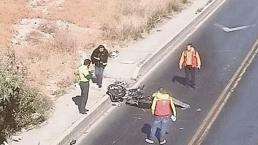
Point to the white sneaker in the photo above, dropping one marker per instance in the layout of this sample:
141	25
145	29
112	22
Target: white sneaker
163	142
149	141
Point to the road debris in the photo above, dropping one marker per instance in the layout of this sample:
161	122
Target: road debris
73	142
181	104
183	108
16	138
139	118
113	54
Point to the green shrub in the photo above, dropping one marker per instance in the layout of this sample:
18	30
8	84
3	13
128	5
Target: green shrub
20	105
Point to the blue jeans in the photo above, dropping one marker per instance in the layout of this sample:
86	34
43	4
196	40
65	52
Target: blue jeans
99	75
161	122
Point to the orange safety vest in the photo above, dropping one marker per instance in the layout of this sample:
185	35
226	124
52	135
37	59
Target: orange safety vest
194	59
163	108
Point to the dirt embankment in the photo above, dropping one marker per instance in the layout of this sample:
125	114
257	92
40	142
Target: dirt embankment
11	12
51	37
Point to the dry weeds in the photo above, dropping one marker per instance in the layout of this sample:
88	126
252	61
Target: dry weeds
52	54
11	11
118	19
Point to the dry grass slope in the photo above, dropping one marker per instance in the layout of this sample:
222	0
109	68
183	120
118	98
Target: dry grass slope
11	11
51	62
118	19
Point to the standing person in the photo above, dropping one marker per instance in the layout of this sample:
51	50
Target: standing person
190	60
99	58
163	109
85	77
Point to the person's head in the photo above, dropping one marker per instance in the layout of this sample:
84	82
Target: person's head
163	91
101	48
87	62
189	46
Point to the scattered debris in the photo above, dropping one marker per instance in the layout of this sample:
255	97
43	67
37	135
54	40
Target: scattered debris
139	118
184	108
16	138
119	105
181	104
35	116
23	130
199	110
114	54
199	10
209	2
73	142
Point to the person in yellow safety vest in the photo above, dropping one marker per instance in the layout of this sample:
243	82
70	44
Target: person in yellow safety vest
190	60
163	109
84	76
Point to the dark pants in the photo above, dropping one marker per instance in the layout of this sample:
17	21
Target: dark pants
161	122
99	75
84	96
189	75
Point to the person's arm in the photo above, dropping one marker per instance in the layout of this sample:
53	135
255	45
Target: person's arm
87	74
198	60
105	59
181	61
153	106
94	57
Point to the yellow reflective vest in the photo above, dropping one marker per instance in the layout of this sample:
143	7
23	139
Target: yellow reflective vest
83	73
159	99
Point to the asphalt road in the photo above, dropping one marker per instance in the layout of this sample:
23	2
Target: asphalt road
221	53
237	123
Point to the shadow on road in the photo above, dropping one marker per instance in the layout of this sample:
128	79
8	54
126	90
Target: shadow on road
179	79
146	129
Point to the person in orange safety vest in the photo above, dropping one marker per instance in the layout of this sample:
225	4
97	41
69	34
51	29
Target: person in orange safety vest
190	60
163	109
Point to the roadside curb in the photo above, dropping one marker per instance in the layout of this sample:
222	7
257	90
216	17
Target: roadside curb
81	125
223	98
104	104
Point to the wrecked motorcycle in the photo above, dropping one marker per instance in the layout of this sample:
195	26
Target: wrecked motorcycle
118	93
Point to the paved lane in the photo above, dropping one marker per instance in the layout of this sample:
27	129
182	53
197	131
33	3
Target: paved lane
221	52
237	123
